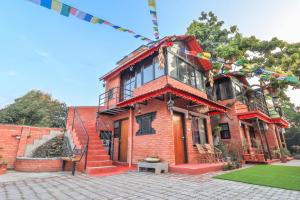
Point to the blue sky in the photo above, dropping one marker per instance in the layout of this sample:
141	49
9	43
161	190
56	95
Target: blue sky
64	56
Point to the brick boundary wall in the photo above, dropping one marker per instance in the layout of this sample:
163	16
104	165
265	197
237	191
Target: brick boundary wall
38	164
14	139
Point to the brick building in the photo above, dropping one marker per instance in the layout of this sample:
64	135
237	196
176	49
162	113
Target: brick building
156	103
251	125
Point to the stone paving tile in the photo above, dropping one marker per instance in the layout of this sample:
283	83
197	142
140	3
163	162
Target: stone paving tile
134	185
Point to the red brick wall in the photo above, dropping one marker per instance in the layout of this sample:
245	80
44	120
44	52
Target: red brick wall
14	139
38	165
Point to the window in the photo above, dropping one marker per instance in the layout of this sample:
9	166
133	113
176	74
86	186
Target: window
224	89
183	70
158	70
145	123
138	76
172	65
199	80
225	132
148	71
110	94
199	131
117	130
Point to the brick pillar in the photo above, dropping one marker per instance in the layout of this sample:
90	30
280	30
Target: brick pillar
130	136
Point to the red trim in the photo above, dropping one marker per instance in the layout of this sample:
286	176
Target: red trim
177	92
191	42
281	122
214	112
255	114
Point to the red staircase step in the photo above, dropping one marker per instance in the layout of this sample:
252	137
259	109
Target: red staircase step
100	170
97	157
97	152
99	163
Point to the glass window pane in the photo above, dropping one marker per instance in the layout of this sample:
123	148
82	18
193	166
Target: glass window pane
138	77
148	71
191	76
202	131
182	71
172	69
159	71
199	80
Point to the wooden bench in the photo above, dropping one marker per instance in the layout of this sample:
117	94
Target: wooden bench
158	167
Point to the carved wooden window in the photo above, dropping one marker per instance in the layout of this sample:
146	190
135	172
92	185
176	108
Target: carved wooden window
145	123
225	132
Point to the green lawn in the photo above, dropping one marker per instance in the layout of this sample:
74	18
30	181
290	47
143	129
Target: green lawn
285	177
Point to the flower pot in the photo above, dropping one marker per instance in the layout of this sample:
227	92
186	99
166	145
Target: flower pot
283	159
3	168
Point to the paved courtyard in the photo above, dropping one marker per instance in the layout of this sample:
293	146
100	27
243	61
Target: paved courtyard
132	185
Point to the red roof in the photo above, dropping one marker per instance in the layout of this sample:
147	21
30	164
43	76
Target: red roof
191	42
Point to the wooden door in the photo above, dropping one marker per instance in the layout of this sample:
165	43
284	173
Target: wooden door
179	139
123	141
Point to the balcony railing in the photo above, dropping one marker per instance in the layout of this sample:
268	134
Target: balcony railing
257	102
112	97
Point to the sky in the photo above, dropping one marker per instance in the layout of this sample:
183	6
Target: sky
64	56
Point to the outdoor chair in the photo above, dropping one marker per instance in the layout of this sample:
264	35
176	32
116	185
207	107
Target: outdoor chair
74	158
214	151
205	156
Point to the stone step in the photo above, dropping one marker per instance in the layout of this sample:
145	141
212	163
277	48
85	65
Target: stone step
100	170
99	163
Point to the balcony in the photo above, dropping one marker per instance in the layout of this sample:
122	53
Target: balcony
256	102
108	100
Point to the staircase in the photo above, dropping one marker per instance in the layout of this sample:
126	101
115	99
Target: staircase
98	160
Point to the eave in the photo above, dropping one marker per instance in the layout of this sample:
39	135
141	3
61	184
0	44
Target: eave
175	91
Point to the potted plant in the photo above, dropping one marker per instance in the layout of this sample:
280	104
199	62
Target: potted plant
3	166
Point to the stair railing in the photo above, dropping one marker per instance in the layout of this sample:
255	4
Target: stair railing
82	135
102	126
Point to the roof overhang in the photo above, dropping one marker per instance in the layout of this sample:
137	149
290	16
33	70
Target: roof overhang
281	122
255	114
191	42
175	91
259	115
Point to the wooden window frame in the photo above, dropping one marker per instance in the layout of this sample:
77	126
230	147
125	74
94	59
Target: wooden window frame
229	133
139	120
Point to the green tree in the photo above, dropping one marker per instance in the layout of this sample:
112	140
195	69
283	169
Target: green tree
35	109
228	43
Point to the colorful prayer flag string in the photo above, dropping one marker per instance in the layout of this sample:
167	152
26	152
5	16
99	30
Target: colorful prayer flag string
152	6
66	10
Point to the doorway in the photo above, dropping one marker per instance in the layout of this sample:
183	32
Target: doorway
123	141
179	138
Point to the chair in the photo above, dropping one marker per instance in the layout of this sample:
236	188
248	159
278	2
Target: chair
205	155
74	158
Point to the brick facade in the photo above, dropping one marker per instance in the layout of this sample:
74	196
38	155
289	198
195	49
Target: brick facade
14	139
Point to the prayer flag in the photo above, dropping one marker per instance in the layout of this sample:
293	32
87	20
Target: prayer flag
95	20
46	3
56	5
65	10
73	11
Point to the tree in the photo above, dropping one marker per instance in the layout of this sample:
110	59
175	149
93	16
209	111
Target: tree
228	43
35	109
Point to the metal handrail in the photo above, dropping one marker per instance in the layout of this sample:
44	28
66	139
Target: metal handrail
115	97
80	129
